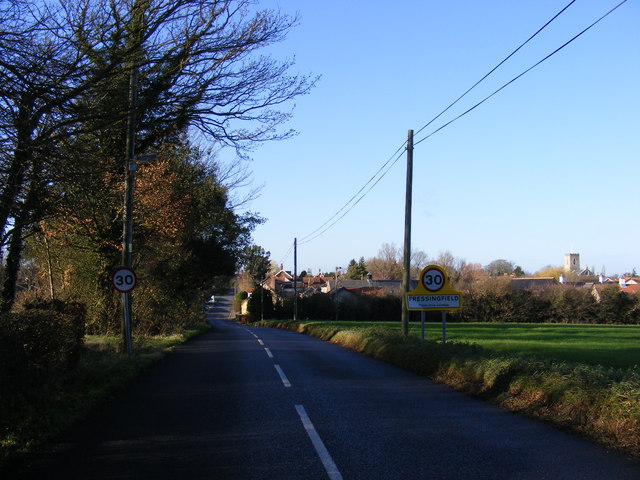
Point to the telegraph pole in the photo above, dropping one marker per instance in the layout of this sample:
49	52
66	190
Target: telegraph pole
406	278
127	216
295	279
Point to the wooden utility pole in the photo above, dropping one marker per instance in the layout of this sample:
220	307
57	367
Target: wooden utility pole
295	279
127	216
406	277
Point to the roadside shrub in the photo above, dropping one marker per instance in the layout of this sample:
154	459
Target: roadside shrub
261	299
239	297
385	308
316	306
570	304
40	345
617	307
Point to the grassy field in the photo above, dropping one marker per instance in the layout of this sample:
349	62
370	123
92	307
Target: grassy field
616	346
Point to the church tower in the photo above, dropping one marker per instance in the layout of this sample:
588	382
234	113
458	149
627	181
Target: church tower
571	262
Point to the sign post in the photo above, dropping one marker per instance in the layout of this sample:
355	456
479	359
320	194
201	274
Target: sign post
434	293
124	280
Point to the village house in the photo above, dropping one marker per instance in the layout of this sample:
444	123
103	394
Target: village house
630	286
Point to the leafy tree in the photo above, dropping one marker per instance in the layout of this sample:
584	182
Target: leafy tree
550	271
357	270
260	304
256	263
500	267
186	236
362	267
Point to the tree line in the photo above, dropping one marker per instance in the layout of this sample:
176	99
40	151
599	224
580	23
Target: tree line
488	295
66	104
493	300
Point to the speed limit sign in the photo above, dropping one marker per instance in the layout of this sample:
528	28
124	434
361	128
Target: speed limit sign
124	279
433	278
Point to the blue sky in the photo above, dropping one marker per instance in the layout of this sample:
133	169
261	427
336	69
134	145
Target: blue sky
547	166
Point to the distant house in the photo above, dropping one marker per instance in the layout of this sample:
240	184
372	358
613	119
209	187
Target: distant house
370	287
279	283
622	285
532	283
317	283
343	296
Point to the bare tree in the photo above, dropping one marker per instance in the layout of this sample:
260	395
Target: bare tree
64	74
387	265
419	260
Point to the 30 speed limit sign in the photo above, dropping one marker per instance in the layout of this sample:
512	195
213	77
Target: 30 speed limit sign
124	279
433	279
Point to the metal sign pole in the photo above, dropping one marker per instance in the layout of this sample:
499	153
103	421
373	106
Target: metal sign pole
423	313
444	326
127	321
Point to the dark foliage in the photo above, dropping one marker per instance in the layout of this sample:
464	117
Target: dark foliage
38	348
555	304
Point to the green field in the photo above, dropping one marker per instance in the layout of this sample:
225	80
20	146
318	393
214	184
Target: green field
615	346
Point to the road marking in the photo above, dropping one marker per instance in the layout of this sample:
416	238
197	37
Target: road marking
321	450
261	342
283	377
269	354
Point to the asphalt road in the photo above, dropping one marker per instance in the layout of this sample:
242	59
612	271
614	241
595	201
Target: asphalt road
243	402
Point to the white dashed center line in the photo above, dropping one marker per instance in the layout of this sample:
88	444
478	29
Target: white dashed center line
283	377
321	450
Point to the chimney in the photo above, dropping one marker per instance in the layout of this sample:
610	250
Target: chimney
623	282
601	278
561	279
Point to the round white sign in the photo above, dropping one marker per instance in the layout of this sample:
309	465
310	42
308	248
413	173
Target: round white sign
433	279
124	279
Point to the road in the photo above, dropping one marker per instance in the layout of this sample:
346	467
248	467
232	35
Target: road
243	402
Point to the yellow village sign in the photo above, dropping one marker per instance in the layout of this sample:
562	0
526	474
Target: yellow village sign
433	292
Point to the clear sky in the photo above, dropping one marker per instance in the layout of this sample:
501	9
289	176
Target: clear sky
548	165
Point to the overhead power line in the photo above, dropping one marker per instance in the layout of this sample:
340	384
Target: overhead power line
320	230
522	74
312	236
348	206
496	67
384	169
286	255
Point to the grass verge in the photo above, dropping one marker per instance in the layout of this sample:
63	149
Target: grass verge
600	403
102	371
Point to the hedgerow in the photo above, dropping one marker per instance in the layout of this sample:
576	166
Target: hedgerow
495	302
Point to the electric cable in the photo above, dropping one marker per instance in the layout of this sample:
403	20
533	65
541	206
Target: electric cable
286	255
312	236
521	75
496	67
395	157
306	239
